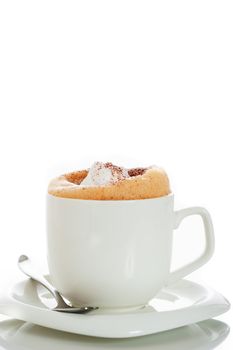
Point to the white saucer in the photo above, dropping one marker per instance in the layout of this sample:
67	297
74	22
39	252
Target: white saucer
178	305
17	335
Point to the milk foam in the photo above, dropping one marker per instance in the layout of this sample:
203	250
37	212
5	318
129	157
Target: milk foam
102	174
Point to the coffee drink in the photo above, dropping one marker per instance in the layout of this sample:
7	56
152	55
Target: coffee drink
109	236
105	181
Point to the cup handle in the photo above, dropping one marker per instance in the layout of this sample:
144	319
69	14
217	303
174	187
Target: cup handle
209	245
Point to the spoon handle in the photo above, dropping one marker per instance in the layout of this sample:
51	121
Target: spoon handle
26	266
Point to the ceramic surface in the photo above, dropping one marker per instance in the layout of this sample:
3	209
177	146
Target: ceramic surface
17	335
116	254
182	304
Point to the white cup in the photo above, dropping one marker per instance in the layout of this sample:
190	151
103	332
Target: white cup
116	254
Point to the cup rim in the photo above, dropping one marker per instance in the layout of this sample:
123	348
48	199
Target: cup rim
170	195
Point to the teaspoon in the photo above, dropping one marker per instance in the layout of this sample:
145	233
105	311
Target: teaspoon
26	266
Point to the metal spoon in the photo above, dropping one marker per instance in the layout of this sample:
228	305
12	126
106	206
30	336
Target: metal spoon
26	266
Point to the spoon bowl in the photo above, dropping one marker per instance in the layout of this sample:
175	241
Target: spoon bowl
26	266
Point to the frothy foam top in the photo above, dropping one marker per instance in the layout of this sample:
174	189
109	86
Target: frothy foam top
105	181
102	174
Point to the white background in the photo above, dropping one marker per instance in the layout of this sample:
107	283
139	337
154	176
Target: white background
132	82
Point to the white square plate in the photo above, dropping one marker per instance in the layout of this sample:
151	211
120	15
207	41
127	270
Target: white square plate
178	305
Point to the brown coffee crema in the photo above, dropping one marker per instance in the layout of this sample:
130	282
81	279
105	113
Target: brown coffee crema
141	183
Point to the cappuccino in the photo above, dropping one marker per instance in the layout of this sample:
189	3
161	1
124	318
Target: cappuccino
105	181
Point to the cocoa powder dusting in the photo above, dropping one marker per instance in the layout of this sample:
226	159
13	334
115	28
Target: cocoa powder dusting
113	167
136	171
